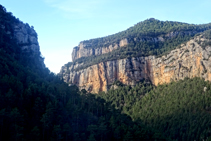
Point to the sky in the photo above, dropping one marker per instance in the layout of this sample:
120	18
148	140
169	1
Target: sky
62	24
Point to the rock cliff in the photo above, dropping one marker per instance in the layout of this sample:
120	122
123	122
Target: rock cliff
26	37
19	40
86	49
191	59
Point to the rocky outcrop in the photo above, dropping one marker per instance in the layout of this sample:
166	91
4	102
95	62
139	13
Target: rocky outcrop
85	49
26	37
19	39
190	60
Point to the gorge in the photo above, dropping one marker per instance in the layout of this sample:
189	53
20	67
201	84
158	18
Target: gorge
148	82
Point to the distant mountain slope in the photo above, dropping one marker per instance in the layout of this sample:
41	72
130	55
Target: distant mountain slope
150	37
186	55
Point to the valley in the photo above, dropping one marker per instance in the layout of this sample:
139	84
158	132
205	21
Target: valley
149	82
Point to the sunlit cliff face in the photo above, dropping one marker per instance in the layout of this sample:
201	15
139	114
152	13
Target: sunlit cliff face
190	60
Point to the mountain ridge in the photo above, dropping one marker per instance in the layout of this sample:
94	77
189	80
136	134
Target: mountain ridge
148	30
95	74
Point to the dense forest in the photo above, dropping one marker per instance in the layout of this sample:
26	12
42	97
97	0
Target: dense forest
180	110
36	105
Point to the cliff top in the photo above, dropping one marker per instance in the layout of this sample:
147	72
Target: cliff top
148	28
19	39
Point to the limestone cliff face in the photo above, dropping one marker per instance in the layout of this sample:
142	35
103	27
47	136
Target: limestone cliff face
26	37
190	60
85	49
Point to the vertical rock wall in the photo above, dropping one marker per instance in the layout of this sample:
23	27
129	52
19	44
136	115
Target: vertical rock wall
191	60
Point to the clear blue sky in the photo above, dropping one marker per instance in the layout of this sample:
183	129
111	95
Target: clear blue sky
62	24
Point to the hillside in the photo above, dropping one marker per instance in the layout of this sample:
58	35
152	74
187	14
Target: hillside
36	105
180	110
160	77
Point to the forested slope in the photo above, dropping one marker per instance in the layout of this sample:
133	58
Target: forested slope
180	110
36	105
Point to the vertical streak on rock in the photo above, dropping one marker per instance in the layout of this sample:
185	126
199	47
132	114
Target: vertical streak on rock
147	68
